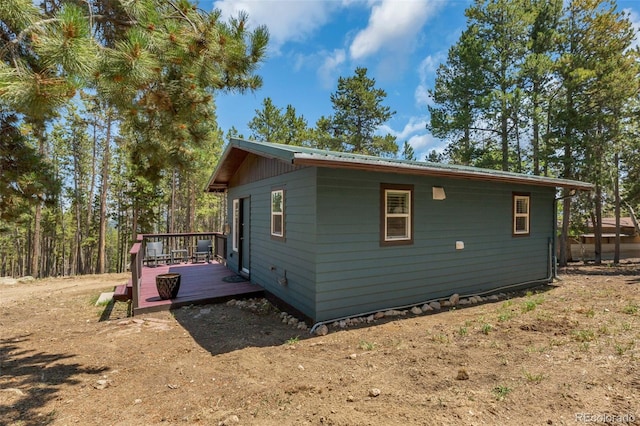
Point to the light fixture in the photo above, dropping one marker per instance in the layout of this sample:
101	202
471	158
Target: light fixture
438	193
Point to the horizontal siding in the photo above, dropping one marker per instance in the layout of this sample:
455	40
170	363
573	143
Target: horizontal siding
354	274
295	255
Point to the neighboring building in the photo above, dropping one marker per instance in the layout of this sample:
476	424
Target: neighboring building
583	248
337	234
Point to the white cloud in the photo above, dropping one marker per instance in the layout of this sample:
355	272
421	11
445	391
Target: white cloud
329	71
429	66
326	64
286	20
422	96
416	134
393	26
415	124
424	143
426	72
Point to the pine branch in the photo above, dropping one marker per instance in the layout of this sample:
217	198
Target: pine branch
177	9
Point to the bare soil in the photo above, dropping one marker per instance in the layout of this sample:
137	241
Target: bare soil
563	354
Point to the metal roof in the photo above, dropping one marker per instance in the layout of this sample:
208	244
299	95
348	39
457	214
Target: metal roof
238	149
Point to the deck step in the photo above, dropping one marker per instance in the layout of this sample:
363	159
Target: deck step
123	293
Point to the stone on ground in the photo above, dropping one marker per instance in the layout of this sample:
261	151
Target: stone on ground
104	298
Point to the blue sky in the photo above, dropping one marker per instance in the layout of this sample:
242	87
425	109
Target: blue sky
313	42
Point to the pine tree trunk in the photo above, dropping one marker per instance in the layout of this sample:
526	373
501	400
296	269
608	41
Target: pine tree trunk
535	141
102	235
504	128
172	210
134	221
76	259
192	208
616	189
36	244
89	218
518	153
467	147
564	234
567	173
63	268
597	228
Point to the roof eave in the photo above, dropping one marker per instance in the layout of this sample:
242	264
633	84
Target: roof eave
212	186
425	170
242	147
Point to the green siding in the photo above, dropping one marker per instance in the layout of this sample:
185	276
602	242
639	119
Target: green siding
295	255
332	254
355	275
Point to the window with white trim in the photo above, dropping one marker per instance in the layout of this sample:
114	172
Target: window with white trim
397	214
521	214
277	213
236	225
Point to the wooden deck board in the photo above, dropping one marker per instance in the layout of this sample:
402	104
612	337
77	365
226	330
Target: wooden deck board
199	284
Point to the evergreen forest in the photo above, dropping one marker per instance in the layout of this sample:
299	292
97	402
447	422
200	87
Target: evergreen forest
108	122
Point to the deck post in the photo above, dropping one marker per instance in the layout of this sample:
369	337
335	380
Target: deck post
136	271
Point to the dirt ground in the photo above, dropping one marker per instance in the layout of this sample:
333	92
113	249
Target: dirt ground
563	354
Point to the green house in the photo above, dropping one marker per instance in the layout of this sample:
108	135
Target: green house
335	235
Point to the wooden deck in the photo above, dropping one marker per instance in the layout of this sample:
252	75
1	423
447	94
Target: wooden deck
199	284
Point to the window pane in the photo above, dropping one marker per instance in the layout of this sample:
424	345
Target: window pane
397	202
397	227
522	205
521	224
236	224
276	201
277	224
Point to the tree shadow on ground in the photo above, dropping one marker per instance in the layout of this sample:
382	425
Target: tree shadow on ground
626	268
116	310
30	379
633	280
219	328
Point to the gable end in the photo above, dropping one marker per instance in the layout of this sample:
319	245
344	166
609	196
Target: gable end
255	168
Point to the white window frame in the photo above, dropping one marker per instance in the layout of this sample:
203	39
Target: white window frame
280	213
236	225
517	215
387	215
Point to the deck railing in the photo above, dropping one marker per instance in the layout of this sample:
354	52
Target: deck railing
176	247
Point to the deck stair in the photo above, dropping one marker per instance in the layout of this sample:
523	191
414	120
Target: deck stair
123	293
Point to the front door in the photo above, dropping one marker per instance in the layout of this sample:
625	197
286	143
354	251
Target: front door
244	255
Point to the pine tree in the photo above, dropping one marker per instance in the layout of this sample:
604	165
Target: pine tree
458	94
268	123
325	136
490	93
537	73
594	71
358	113
296	130
407	152
502	28
163	73
25	176
158	63
43	61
